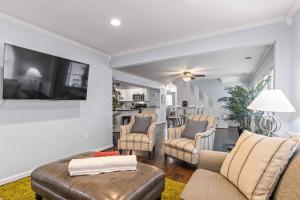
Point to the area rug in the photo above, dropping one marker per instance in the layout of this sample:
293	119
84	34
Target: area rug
21	190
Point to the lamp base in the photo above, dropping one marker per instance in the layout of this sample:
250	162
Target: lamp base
270	124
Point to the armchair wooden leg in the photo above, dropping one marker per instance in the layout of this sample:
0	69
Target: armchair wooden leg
149	153
153	151
120	151
130	152
166	156
38	197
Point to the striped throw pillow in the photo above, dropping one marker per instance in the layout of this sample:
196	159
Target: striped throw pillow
256	163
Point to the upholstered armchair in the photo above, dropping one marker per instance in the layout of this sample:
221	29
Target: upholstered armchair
187	149
138	141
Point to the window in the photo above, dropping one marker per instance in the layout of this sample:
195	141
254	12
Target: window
169	100
75	74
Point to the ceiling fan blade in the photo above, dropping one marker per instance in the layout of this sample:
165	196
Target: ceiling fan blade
169	73
178	75
193	78
198	75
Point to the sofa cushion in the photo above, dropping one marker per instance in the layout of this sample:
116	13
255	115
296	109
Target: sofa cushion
256	162
289	184
193	127
208	185
183	144
141	124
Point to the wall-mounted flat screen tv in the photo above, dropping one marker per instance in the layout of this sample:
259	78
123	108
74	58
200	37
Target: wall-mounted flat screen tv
30	74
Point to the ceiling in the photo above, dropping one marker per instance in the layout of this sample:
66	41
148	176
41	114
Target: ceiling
145	23
227	65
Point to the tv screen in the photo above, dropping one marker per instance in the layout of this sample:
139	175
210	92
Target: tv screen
30	74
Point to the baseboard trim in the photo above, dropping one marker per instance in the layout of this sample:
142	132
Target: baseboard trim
15	177
104	148
27	173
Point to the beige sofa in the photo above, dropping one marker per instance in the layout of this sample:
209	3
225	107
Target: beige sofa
138	141
187	149
207	184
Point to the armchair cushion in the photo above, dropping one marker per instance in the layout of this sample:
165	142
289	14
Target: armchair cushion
183	144
193	127
136	141
136	137
141	124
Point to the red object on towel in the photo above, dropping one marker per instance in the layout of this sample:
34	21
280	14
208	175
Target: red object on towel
107	153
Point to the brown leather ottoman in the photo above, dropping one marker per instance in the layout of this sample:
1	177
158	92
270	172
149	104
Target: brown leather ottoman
53	182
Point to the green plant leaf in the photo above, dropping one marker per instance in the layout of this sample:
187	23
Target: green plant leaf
237	101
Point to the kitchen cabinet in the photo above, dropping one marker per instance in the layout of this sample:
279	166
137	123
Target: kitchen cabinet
154	97
140	91
127	94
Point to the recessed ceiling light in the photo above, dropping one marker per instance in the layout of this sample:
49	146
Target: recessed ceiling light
115	22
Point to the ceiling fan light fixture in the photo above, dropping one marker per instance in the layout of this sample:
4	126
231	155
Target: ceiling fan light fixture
115	22
186	78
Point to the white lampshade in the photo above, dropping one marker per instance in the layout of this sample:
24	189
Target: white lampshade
33	72
271	101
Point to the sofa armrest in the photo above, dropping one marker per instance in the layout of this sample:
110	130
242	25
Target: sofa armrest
211	160
175	132
152	132
125	130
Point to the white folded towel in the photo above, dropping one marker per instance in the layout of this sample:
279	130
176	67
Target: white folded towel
96	165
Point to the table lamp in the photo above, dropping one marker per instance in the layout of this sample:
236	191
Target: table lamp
271	101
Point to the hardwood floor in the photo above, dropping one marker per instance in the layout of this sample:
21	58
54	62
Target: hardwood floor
175	169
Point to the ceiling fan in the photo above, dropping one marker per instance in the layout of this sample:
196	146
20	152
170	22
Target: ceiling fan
187	76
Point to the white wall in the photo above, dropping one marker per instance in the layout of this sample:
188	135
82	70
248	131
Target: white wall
295	73
184	92
36	132
263	67
214	89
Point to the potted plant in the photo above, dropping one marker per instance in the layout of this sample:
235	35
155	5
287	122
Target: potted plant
237	102
116	102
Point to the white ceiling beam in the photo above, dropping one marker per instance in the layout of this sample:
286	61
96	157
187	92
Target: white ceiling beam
252	37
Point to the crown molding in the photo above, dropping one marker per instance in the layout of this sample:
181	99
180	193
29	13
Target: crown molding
292	11
17	21
207	35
